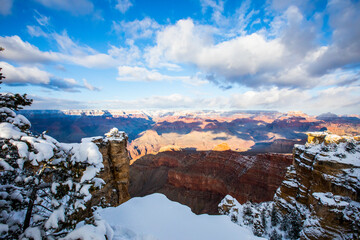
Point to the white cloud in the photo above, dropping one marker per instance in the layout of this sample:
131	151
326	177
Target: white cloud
25	75
67	46
213	4
127	73
123	5
36	31
273	98
136	29
89	86
78	7
283	100
41	19
125	55
6	6
217	7
185	42
22	75
137	74
345	46
70	52
55	103
18	50
287	55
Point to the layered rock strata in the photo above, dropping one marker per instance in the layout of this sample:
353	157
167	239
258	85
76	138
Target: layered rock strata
201	179
323	186
116	170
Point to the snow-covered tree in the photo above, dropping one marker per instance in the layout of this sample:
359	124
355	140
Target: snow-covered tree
44	185
275	235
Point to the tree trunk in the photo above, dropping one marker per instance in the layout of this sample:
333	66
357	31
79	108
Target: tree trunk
30	208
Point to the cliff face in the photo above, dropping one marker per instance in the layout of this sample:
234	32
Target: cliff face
318	199
116	171
201	179
323	185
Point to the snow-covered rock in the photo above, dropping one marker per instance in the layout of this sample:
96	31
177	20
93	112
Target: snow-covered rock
318	199
323	186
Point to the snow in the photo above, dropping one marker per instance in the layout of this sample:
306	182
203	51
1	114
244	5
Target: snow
342	149
69	183
16	195
3	228
7	130
156	217
115	135
89	232
45	149
5	165
98	182
290	184
33	233
87	151
54	185
85	191
89	173
56	216
329	199
20	120
22	148
91	139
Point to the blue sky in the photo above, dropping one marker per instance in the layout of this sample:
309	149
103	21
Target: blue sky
190	54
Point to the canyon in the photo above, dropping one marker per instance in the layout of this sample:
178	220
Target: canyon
314	192
201	179
151	131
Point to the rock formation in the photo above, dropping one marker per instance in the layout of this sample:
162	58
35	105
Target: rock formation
116	169
318	199
323	185
201	179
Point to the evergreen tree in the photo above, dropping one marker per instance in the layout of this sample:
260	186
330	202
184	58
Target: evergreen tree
44	185
263	218
258	228
284	225
295	224
275	235
274	217
248	214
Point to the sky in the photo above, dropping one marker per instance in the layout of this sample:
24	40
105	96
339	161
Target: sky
297	55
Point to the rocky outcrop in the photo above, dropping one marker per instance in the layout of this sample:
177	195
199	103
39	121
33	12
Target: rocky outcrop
116	170
323	186
201	179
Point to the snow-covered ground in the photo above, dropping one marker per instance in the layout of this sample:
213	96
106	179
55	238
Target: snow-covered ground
156	217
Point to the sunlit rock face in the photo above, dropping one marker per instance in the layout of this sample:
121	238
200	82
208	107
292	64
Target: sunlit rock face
202	179
323	185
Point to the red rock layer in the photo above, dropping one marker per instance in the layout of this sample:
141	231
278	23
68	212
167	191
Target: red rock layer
202	179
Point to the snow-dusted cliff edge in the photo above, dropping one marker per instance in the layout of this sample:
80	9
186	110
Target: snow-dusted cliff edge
319	197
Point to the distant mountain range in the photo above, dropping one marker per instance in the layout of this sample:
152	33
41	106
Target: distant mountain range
151	131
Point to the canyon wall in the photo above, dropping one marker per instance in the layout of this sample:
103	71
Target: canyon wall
323	186
201	179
